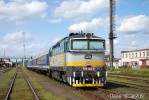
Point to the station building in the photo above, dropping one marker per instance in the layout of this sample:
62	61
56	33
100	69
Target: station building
5	62
135	58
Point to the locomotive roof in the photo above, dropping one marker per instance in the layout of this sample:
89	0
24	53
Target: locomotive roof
82	35
135	50
77	35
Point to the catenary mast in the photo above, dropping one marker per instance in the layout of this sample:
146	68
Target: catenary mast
23	48
112	28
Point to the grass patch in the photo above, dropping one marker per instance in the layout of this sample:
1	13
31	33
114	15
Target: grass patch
139	82
129	77
42	93
37	80
5	81
21	89
141	72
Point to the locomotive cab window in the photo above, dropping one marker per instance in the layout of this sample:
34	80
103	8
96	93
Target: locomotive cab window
79	45
85	44
96	45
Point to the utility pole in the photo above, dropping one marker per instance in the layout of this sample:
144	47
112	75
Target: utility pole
23	47
4	54
112	28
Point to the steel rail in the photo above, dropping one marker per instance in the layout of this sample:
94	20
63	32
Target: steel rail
140	87
4	70
111	92
91	93
11	86
119	74
33	91
129	78
102	94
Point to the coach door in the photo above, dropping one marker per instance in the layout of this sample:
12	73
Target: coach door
144	64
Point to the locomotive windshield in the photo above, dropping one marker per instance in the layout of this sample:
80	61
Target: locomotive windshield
79	45
85	44
96	45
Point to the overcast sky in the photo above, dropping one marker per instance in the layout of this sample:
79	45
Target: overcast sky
47	21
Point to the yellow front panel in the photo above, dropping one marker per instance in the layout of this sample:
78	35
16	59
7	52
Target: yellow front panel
85	63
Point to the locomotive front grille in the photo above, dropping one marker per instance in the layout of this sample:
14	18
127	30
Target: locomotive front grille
88	77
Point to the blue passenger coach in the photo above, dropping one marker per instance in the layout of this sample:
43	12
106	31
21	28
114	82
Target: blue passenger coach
40	62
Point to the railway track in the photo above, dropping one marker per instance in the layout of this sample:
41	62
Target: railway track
134	81
12	85
4	70
136	86
94	93
130	78
131	75
103	94
91	93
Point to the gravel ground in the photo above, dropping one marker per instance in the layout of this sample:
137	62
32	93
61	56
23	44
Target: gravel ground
60	89
124	90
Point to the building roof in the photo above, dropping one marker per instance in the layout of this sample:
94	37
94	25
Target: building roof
115	59
134	50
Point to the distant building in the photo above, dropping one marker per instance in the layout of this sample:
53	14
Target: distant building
1	62
135	58
116	61
5	62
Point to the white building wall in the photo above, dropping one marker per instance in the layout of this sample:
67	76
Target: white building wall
120	63
147	62
129	58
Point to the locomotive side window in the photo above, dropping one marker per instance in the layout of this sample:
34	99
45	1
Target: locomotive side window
61	47
67	46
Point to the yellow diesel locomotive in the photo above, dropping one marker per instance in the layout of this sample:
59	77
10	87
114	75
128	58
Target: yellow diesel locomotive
78	60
